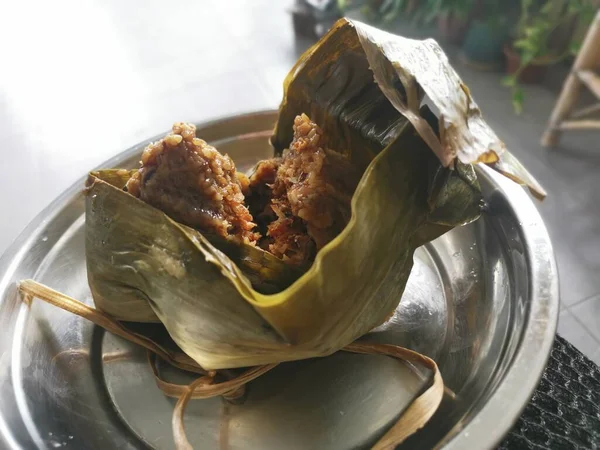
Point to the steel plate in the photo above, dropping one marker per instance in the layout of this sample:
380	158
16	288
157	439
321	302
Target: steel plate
482	300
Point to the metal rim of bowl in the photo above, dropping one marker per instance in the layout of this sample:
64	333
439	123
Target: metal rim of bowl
504	407
496	417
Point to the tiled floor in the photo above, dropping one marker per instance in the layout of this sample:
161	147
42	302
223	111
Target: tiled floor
135	72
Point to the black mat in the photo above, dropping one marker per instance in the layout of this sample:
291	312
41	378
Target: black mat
564	412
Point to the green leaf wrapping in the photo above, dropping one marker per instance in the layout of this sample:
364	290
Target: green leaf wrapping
364	88
143	266
363	80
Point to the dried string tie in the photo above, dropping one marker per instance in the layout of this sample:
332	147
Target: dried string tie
30	288
414	417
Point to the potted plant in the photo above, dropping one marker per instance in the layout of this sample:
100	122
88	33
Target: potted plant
486	36
452	16
385	11
532	49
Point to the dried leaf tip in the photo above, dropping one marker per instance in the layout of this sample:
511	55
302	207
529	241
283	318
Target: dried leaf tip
422	64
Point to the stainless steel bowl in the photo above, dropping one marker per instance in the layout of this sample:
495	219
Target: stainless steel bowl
482	300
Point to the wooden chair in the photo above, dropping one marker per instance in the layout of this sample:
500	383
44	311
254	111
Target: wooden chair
584	73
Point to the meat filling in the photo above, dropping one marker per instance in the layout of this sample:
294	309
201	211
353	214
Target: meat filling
194	184
259	195
304	197
300	201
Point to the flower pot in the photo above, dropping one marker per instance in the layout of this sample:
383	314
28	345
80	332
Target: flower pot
532	73
483	45
452	28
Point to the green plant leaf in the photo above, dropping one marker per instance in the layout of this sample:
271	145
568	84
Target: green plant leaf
587	13
526	58
580	7
368	12
524	44
509	81
517	99
548	7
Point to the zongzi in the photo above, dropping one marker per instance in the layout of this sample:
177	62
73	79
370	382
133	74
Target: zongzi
313	248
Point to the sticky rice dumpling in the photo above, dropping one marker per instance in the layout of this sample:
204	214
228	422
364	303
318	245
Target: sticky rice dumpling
291	257
311	249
